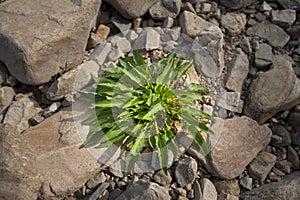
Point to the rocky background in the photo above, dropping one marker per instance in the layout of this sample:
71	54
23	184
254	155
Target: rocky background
49	51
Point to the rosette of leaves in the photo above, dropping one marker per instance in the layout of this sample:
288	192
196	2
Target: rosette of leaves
137	106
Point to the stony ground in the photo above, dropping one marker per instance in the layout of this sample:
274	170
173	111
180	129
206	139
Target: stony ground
247	51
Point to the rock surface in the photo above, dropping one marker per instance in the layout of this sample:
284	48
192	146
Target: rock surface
275	35
286	189
272	91
236	4
234	23
192	24
186	171
144	190
132	8
234	145
39	47
263	55
6	97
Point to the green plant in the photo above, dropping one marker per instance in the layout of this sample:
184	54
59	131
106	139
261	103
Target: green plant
137	105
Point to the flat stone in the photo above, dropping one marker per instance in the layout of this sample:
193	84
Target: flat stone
152	40
209	52
285	189
283	134
230	101
73	80
132	9
293	157
144	190
208	190
192	24
261	166
290	4
234	144
238	70
275	35
19	177
49	39
165	8
284	18
197	190
228	187
263	55
284	166
99	191
234	23
273	91
7	95
20	112
236	4
186	171
121	23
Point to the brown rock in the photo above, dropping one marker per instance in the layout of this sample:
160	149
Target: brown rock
39	40
234	144
228	187
103	31
6	97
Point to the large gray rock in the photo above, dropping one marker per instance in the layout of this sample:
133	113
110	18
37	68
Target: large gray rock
165	8
286	189
6	97
132	9
19	176
192	24
275	35
236	4
272	91
234	23
39	40
284	18
20	112
186	171
144	190
234	144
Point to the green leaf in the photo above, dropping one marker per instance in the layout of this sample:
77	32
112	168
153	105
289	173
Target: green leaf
154	109
138	59
198	113
197	88
162	151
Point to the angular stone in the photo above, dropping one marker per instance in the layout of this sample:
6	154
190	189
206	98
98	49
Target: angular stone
285	189
70	164
209	52
103	31
263	55
285	137
73	80
192	24
284	18
262	165
20	112
152	40
234	23
236	4
49	38
186	171
121	23
238	70
275	35
100	53
272	91
290	4
144	190
284	166
165	8
163	179
208	189
246	182
132	9
228	187
230	101
234	144
19	177
6	97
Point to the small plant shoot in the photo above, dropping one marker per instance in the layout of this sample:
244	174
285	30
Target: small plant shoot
137	106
